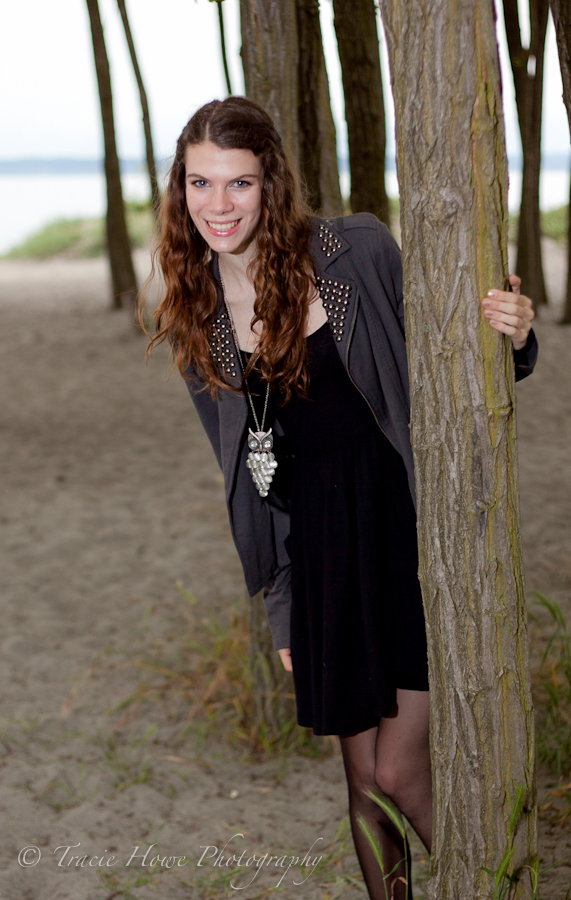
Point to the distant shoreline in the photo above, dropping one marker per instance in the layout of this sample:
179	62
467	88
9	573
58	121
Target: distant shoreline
71	166
87	166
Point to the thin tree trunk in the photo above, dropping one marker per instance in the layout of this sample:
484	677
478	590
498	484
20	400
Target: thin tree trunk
527	68
356	30
452	171
270	60
317	140
118	243
273	687
151	163
566	318
561	12
223	47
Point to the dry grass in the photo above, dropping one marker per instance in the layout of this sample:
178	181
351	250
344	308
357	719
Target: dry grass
551	685
203	676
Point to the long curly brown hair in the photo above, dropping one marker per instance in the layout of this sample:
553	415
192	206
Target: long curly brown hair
281	270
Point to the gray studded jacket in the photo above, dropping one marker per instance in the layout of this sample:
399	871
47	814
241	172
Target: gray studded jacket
359	276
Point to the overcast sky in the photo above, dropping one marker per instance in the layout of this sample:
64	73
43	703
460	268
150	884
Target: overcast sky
48	95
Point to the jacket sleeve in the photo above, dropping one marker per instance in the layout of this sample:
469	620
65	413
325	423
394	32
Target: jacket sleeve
524	359
391	255
207	410
277	593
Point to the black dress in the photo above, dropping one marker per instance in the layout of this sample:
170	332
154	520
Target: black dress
357	621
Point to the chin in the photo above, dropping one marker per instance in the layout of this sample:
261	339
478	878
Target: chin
234	245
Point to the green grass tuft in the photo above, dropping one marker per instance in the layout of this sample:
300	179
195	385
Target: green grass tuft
82	238
554	224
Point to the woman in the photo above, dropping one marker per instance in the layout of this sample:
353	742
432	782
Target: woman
291	328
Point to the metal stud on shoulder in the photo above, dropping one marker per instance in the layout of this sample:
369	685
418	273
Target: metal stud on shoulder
335	296
221	346
330	243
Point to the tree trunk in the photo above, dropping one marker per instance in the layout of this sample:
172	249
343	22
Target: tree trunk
270	60
273	687
566	318
223	47
118	243
284	71
317	140
356	30
452	171
561	12
151	163
527	68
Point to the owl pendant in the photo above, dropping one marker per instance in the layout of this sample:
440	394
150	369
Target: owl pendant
261	461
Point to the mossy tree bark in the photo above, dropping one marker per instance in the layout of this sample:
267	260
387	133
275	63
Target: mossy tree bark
124	283
270	58
527	68
357	40
284	71
317	139
561	12
149	151
452	170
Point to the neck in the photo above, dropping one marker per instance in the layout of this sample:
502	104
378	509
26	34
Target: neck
234	266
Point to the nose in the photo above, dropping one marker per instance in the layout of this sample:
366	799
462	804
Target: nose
220	201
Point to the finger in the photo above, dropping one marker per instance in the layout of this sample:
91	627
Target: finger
507	297
514	303
514	315
511	330
515	283
495	315
521	311
506	329
285	656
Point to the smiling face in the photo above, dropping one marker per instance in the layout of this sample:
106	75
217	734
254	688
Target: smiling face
224	195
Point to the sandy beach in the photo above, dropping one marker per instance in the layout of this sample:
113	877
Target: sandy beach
112	511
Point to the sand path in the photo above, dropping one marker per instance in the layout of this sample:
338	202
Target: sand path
110	495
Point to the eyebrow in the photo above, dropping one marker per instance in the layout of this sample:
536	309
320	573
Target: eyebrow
237	178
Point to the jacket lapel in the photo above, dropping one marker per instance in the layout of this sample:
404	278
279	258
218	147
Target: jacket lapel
234	416
339	295
340	299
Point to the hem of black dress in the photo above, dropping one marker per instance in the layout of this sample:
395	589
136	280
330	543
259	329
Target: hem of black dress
352	728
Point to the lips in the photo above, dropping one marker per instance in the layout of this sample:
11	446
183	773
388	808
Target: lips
223	229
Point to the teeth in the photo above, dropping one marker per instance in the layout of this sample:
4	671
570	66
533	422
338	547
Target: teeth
227	226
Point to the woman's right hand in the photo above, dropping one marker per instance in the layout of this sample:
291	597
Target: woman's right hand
285	656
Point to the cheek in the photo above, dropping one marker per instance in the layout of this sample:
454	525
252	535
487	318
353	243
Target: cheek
193	206
254	206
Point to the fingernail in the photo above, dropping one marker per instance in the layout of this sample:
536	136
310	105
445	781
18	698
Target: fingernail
491	293
486	303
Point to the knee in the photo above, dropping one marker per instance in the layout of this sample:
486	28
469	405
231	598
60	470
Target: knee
403	786
392	779
360	790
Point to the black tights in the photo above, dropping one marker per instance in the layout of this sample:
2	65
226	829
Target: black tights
395	759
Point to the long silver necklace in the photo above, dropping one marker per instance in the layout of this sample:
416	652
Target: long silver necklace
261	461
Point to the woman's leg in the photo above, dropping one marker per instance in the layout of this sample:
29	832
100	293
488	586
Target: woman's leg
359	759
402	769
395	759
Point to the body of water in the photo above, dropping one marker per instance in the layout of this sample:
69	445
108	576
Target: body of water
28	202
